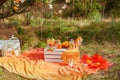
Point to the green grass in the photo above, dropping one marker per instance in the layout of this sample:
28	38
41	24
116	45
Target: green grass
65	29
110	52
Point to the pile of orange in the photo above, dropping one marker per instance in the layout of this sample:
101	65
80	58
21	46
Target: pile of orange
65	44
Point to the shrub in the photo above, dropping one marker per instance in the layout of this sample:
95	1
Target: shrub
41	44
14	22
21	31
27	19
95	15
101	32
113	9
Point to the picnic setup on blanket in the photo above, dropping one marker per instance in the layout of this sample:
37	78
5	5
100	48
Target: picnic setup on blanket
58	61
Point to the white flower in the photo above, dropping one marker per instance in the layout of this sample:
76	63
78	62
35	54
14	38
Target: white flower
22	1
50	6
67	1
60	11
64	6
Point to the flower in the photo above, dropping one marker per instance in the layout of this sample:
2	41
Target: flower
15	8
67	1
85	58
101	62
50	6
22	1
94	62
17	1
64	6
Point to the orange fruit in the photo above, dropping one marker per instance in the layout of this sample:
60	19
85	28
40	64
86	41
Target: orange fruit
63	44
67	44
59	46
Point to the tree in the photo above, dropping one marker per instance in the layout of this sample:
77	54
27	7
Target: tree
11	7
2	2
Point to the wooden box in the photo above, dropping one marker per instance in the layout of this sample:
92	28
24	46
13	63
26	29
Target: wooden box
53	56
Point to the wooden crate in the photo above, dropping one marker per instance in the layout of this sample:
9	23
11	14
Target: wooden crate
53	56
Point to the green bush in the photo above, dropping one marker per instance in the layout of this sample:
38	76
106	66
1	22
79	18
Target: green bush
101	32
114	29
113	9
21	31
83	9
96	31
14	22
79	9
65	29
95	15
27	19
41	44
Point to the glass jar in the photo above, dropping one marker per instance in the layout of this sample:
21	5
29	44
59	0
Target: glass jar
70	62
16	45
7	49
